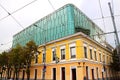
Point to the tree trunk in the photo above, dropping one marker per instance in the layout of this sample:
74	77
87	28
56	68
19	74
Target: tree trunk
28	73
14	75
8	73
28	76
1	74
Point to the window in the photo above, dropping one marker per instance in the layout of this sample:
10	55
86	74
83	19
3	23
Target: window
36	58
97	72
107	60
35	74
85	52
93	78
100	57
54	73
53	54
73	52
91	54
103	58
73	70
86	72
62	53
95	55
63	73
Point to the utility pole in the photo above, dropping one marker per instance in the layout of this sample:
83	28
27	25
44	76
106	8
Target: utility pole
44	52
44	60
115	31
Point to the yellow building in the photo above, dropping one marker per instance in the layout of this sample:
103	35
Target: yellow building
80	58
72	46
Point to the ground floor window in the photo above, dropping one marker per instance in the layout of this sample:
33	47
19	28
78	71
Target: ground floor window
92	74
97	72
63	73
73	71
35	74
86	72
54	73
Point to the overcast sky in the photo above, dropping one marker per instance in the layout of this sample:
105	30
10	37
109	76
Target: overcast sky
40	8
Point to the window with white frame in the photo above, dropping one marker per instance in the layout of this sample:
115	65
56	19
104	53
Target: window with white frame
107	60
103	58
72	51
85	51
95	54
43	55
53	54
62	50
100	57
91	54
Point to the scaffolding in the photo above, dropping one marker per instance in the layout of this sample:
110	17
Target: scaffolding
63	22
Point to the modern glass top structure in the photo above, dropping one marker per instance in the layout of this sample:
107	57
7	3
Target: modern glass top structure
65	21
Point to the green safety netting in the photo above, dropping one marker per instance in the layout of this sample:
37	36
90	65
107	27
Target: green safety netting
63	22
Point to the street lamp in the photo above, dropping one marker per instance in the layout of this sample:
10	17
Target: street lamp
44	56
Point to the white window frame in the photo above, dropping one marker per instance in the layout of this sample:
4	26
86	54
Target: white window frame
95	57
100	56
53	49
103	58
61	72
52	72
62	47
36	58
37	73
72	45
91	48
85	45
73	67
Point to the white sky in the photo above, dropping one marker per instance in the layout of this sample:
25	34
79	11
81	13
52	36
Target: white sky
41	8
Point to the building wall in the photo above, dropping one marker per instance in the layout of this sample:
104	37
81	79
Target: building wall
79	63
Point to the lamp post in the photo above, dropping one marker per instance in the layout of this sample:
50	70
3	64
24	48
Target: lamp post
44	56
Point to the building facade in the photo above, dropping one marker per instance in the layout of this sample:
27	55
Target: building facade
80	58
73	40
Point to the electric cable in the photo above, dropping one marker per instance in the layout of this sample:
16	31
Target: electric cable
105	17
102	15
3	44
18	9
51	4
12	17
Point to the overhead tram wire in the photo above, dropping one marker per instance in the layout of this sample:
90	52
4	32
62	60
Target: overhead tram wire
12	17
3	44
112	6
105	17
102	15
51	4
52	7
17	21
18	9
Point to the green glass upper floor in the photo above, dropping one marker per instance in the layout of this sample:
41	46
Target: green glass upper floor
63	22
